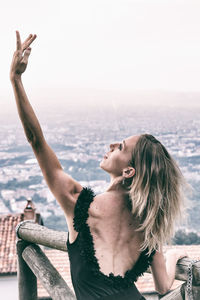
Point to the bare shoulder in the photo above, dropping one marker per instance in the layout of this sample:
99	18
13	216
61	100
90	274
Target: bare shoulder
104	205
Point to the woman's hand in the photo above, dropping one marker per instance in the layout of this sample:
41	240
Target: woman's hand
21	55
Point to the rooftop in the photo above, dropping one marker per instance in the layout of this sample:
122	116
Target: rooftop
8	223
8	256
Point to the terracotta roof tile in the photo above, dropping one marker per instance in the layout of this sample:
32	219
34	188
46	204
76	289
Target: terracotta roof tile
8	257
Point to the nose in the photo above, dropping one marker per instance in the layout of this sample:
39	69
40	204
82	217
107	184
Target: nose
112	146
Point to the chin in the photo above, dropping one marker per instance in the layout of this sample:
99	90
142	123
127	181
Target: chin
101	165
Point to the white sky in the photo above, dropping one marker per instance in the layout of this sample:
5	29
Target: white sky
116	45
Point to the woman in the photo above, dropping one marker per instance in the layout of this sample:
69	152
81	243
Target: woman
114	236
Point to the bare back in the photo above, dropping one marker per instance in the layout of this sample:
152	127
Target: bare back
116	242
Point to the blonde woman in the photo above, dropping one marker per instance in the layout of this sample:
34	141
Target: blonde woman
114	236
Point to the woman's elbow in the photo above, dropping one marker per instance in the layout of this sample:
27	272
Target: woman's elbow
162	290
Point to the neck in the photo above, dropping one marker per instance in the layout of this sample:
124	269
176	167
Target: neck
116	184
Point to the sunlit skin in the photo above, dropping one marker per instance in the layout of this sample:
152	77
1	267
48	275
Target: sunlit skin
116	162
112	225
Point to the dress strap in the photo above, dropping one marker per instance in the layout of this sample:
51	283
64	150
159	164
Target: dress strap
81	215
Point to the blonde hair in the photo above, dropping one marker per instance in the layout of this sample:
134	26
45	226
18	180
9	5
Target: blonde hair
155	192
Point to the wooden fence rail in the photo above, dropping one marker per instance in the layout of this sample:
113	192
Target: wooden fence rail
46	273
32	263
37	234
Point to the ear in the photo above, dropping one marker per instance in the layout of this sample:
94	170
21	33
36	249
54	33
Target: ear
128	172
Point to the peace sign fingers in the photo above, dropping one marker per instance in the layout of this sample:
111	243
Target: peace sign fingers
28	41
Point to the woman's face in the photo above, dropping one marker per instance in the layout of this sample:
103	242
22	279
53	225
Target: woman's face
119	156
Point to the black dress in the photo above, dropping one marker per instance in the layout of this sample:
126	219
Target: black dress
88	281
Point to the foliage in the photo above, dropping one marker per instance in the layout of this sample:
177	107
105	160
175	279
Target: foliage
183	238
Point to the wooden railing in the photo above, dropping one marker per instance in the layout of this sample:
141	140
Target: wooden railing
33	264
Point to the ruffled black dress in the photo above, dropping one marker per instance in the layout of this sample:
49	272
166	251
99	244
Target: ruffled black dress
88	281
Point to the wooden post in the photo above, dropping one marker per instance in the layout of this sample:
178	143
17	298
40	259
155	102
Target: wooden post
196	274
27	282
196	292
42	235
47	274
182	270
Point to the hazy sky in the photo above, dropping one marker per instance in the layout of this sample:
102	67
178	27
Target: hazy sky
110	45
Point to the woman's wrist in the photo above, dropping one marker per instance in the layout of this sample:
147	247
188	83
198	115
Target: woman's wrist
15	77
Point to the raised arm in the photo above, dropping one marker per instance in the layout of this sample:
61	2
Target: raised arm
164	269
62	185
